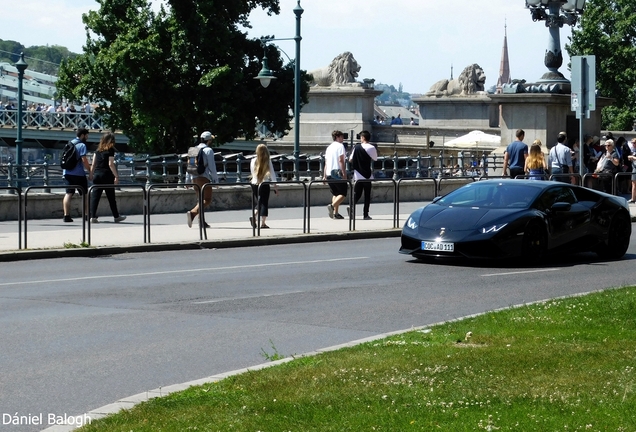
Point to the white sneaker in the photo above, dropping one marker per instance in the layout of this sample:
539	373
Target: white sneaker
94	220
119	219
189	219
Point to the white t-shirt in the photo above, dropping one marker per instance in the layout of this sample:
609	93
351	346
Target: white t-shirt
268	177
372	152
332	156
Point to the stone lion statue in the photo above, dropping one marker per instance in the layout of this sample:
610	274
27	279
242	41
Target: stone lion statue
343	70
471	81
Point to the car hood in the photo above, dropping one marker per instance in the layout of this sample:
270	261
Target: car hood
461	218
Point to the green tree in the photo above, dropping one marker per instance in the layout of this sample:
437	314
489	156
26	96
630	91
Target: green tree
608	30
163	77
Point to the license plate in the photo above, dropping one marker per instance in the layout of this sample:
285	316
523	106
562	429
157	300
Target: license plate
438	246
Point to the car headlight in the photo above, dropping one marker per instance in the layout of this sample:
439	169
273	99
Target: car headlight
411	224
493	228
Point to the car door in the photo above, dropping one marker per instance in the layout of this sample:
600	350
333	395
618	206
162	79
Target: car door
564	226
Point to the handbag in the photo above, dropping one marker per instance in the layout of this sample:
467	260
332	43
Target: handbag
336	174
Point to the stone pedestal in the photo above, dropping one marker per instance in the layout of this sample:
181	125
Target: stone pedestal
467	112
542	116
345	108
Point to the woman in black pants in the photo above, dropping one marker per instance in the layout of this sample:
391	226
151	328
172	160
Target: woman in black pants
262	171
104	171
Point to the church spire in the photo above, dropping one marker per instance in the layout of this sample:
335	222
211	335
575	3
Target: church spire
504	67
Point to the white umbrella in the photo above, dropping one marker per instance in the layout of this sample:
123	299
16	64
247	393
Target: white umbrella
475	139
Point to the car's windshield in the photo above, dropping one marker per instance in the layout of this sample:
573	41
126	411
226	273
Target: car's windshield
491	194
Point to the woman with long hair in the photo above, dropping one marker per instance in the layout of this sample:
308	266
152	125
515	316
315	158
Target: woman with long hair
535	166
104	171
262	173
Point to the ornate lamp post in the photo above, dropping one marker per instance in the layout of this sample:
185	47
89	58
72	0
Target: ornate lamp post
21	65
555	13
265	76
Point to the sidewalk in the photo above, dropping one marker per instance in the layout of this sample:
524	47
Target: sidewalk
52	238
49	238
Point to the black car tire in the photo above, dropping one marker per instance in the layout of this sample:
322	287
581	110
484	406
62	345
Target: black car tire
535	241
618	237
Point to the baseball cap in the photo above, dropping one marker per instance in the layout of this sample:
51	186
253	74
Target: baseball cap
206	135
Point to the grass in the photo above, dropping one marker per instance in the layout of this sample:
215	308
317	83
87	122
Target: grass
561	365
69	245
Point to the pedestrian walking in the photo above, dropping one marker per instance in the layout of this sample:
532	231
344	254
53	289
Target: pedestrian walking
209	175
515	155
104	172
76	176
361	158
335	169
262	172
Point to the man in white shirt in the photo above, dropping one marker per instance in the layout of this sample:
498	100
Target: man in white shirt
335	169
361	159
560	160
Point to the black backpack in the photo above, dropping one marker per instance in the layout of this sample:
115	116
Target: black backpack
200	161
69	156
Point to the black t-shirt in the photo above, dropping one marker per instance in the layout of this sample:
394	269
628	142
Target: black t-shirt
102	159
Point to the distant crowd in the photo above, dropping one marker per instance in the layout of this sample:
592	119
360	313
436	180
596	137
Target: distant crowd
603	157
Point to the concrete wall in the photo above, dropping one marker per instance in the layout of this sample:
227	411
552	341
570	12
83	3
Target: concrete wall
225	197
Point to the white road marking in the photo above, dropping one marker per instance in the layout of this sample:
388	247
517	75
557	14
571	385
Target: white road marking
519	272
247	297
206	269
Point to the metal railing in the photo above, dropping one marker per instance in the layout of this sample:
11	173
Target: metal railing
16	191
23	202
113	186
234	168
79	189
54	120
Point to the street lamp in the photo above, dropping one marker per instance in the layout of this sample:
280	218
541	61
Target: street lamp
21	65
265	76
555	13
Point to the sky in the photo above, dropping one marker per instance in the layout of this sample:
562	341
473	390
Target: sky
412	42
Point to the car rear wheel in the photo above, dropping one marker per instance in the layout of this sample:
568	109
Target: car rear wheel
535	241
618	236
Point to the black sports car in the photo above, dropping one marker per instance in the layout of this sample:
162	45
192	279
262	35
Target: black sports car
508	218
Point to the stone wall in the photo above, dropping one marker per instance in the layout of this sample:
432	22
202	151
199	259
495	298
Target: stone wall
224	197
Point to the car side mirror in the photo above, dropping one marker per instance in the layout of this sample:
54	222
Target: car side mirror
561	207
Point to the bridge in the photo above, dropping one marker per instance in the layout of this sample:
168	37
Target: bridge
43	132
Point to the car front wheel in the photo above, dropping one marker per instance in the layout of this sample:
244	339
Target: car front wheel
618	237
535	241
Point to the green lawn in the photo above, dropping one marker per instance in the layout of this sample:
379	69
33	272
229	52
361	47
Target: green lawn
562	365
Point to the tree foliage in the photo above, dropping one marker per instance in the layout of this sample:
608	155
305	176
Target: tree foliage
608	30
163	77
41	58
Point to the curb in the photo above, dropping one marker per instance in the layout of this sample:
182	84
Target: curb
91	252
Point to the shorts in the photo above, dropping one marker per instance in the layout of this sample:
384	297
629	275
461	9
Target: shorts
75	180
338	188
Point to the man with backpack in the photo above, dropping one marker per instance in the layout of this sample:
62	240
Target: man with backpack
204	173
74	164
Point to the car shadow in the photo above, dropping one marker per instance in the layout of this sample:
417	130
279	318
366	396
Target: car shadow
571	260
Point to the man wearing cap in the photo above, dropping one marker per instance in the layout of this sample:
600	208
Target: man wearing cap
209	175
560	160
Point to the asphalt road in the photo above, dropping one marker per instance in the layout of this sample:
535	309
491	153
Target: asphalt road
81	333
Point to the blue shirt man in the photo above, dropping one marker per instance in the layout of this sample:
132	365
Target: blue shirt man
515	155
77	175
